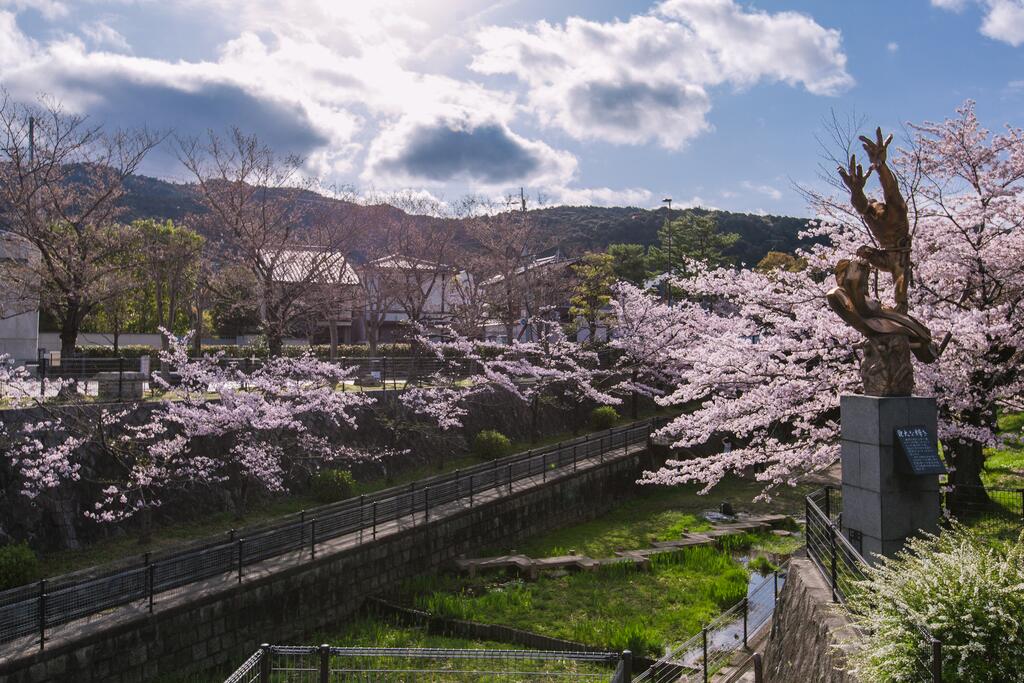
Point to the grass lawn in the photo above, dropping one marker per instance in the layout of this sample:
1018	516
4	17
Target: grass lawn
1004	467
662	514
615	607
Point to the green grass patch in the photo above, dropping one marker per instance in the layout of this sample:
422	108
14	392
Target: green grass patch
618	607
1004	467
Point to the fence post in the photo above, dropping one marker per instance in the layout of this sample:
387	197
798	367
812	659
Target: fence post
775	576
544	465
510	479
758	670
1021	492
832	539
240	559
574	457
312	539
325	663
374	510
151	580
704	643
265	663
746	609
470	489
828	503
426	504
120	378
302	528
936	660
42	613
627	665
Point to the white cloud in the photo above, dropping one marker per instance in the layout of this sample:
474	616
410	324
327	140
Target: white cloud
893	46
601	196
951	5
1003	20
648	78
102	34
50	9
766	190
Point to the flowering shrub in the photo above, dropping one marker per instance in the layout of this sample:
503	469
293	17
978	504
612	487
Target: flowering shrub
603	417
490	444
968	593
18	565
332	485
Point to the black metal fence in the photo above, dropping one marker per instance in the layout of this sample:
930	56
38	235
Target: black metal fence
980	502
844	569
36	608
708	652
326	664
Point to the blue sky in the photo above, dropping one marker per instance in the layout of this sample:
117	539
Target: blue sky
712	102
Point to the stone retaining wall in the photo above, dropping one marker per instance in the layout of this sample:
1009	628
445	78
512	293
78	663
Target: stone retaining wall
808	635
219	629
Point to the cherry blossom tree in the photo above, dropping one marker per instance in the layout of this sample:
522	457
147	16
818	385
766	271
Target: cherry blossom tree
551	369
216	427
766	362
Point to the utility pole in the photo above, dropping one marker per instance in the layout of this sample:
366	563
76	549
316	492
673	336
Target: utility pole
668	228
522	199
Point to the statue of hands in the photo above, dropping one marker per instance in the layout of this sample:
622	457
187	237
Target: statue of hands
877	149
854	177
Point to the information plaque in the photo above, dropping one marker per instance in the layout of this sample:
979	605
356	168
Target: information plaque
920	456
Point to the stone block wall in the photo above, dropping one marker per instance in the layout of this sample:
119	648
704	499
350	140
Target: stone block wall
218	631
808	635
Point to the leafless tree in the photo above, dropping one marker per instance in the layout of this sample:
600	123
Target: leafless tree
61	181
264	215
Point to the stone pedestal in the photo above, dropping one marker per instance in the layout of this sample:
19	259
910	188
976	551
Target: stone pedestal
882	505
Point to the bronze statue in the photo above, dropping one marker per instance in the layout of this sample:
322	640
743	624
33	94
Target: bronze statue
891	334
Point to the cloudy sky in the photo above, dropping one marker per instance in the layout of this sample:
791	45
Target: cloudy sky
711	102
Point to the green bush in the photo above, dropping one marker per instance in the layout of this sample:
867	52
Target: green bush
124	351
762	565
330	486
490	444
18	565
965	589
603	417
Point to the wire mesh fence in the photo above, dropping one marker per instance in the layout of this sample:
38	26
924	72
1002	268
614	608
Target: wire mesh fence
33	610
325	664
844	569
718	642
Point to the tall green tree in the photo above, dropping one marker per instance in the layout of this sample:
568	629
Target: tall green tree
171	261
595	275
629	262
690	236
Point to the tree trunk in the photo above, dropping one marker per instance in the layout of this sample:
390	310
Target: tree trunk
69	331
333	327
275	343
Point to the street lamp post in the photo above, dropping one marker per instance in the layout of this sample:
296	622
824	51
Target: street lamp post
668	225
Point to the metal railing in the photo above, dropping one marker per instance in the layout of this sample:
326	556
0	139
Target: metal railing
843	568
711	650
323	664
982	502
34	609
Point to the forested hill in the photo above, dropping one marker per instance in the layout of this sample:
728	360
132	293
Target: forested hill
574	229
581	228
